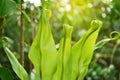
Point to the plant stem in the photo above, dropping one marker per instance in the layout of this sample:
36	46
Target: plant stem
22	36
113	52
43	4
33	24
1	22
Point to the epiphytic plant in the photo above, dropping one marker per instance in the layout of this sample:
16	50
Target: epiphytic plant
68	63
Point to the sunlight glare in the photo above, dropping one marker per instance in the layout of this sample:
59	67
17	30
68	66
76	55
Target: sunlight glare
107	1
103	9
35	2
68	7
90	5
65	1
108	9
103	15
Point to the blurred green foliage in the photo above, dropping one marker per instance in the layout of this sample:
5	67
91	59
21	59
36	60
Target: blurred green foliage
98	72
77	13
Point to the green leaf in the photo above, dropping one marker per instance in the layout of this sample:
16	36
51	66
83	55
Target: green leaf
66	52
113	36
101	43
0	65
18	69
64	55
43	3
47	48
6	7
43	53
5	72
34	54
26	16
58	73
82	51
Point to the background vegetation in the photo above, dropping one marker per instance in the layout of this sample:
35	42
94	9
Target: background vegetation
105	64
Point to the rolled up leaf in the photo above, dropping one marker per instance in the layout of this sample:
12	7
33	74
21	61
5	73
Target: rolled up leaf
43	53
82	51
64	55
113	36
34	55
66	51
47	48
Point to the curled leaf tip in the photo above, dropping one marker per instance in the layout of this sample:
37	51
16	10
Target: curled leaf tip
95	24
66	26
67	30
114	35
